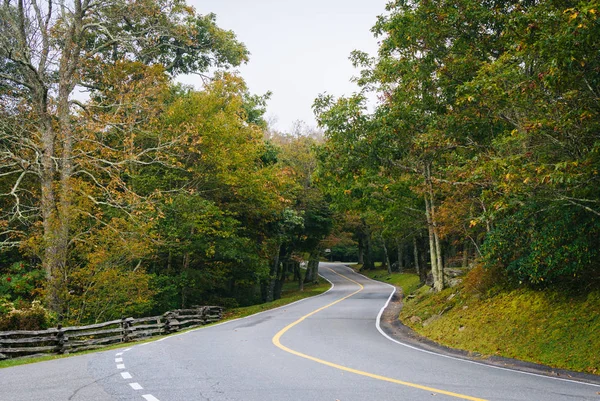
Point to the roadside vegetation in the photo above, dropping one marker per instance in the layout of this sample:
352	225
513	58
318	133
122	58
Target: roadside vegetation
290	293
552	327
521	323
408	282
478	169
147	195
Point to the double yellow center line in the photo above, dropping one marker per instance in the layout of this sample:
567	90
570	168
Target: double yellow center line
277	341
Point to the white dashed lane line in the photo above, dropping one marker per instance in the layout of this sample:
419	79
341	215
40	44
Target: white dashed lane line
127	376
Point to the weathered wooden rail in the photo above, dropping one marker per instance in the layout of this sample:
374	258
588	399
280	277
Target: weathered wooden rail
64	340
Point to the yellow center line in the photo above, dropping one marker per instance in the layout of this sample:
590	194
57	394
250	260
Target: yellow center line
277	342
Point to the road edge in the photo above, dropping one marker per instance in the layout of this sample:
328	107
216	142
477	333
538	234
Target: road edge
390	326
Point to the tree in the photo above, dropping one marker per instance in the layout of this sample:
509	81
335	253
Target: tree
488	110
47	52
221	196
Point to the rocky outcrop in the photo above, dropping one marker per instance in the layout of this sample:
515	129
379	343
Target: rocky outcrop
452	276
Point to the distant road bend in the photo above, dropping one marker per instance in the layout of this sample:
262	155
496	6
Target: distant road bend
325	348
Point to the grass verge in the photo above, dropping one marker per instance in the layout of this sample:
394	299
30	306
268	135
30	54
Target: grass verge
290	294
409	282
549	327
546	327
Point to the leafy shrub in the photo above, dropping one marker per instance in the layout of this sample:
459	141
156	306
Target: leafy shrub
113	293
544	244
480	279
21	281
35	317
5	305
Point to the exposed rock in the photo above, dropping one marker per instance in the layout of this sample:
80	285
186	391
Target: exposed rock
431	320
453	282
451	272
446	309
429	279
462	328
415	319
451	275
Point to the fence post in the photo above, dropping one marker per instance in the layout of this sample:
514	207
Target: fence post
203	312
61	340
171	322
127	329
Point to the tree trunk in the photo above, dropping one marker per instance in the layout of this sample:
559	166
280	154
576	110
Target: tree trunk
269	293
56	216
368	264
422	265
361	251
400	248
416	259
386	255
298	276
312	270
184	289
438	276
280	280
432	250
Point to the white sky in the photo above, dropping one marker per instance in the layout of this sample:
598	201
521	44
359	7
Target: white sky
299	49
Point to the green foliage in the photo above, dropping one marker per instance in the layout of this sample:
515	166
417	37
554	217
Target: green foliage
489	118
21	281
484	281
30	317
107	294
541	245
85	196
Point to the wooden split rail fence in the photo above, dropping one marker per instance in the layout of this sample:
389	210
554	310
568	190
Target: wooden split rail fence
64	340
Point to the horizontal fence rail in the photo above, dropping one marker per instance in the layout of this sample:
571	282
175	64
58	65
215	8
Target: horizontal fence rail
64	340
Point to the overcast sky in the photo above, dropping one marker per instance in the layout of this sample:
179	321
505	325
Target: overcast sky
298	48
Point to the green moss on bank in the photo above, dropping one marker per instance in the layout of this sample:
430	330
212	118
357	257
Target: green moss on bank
547	327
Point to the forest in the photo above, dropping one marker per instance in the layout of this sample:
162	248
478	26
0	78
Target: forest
483	149
123	192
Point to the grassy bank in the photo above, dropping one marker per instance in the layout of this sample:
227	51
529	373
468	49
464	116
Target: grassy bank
290	294
409	282
549	327
546	327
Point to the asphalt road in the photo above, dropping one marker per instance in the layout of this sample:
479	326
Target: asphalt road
325	348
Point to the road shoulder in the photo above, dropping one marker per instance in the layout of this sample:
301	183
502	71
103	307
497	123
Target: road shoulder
393	327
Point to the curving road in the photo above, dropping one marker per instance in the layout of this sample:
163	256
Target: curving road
326	348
